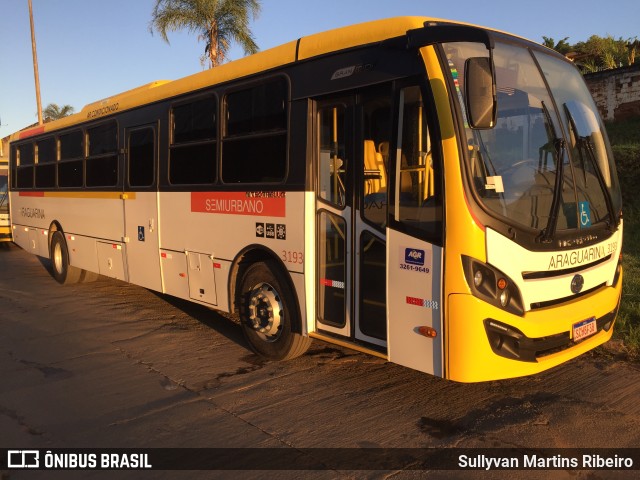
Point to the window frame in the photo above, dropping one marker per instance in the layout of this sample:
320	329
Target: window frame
101	156
66	161
256	135
42	167
206	142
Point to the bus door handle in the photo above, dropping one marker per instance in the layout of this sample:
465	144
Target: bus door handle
151	225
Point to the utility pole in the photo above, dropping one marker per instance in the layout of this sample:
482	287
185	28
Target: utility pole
35	64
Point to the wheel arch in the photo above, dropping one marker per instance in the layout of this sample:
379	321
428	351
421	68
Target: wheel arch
53	227
253	254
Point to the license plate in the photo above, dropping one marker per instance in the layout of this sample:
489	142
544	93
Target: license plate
584	329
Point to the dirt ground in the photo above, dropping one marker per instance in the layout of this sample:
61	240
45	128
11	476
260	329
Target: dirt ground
106	364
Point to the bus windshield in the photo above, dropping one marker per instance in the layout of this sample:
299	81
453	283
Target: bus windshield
547	163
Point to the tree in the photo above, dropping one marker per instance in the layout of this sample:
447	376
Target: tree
561	47
54	112
632	49
603	52
217	22
597	53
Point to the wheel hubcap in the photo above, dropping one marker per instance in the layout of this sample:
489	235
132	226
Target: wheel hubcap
57	258
266	312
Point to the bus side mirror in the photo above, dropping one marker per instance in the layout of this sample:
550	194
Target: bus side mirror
480	92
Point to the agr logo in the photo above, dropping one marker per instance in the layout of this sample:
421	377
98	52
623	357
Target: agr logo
414	256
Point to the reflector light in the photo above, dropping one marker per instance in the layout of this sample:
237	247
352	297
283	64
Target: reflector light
502	283
427	332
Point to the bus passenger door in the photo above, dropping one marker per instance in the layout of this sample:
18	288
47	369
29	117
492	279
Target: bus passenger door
141	206
334	148
353	137
414	242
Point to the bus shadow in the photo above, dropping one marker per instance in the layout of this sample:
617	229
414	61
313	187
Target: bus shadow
46	263
225	324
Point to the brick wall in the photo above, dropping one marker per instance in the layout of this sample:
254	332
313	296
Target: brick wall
616	92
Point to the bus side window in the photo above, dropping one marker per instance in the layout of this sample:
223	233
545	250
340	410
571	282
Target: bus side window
418	195
47	154
332	162
142	157
192	156
254	146
101	167
71	164
26	161
376	124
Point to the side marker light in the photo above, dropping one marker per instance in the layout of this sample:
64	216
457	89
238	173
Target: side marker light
427	332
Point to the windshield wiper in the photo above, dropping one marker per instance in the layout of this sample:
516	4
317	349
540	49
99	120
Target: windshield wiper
559	146
584	144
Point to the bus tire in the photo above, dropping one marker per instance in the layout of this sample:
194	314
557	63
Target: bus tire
268	311
63	272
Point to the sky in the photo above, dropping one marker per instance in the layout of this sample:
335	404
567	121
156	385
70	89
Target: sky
92	49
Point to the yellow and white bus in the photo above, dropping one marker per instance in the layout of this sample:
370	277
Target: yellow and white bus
438	194
5	230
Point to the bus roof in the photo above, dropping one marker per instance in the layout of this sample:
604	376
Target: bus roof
304	48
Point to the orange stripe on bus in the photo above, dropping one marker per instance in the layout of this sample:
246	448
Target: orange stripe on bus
101	195
31	133
31	194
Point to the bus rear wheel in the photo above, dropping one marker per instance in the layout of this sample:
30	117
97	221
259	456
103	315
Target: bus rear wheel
268	311
63	272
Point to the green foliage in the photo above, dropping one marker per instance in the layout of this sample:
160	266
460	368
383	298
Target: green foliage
606	52
597	53
625	140
55	112
217	22
562	46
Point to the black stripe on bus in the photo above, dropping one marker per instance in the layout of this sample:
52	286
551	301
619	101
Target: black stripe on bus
560	273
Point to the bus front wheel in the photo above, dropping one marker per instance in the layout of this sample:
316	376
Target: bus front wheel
63	272
268	311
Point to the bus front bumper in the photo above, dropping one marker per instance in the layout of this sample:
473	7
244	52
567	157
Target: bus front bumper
487	343
5	234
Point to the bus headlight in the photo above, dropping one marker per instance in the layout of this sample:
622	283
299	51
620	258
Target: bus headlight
492	286
504	298
477	278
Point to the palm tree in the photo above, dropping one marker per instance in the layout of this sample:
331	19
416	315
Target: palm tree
54	112
218	23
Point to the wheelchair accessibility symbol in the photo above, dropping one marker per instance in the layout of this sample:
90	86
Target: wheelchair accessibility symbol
585	214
